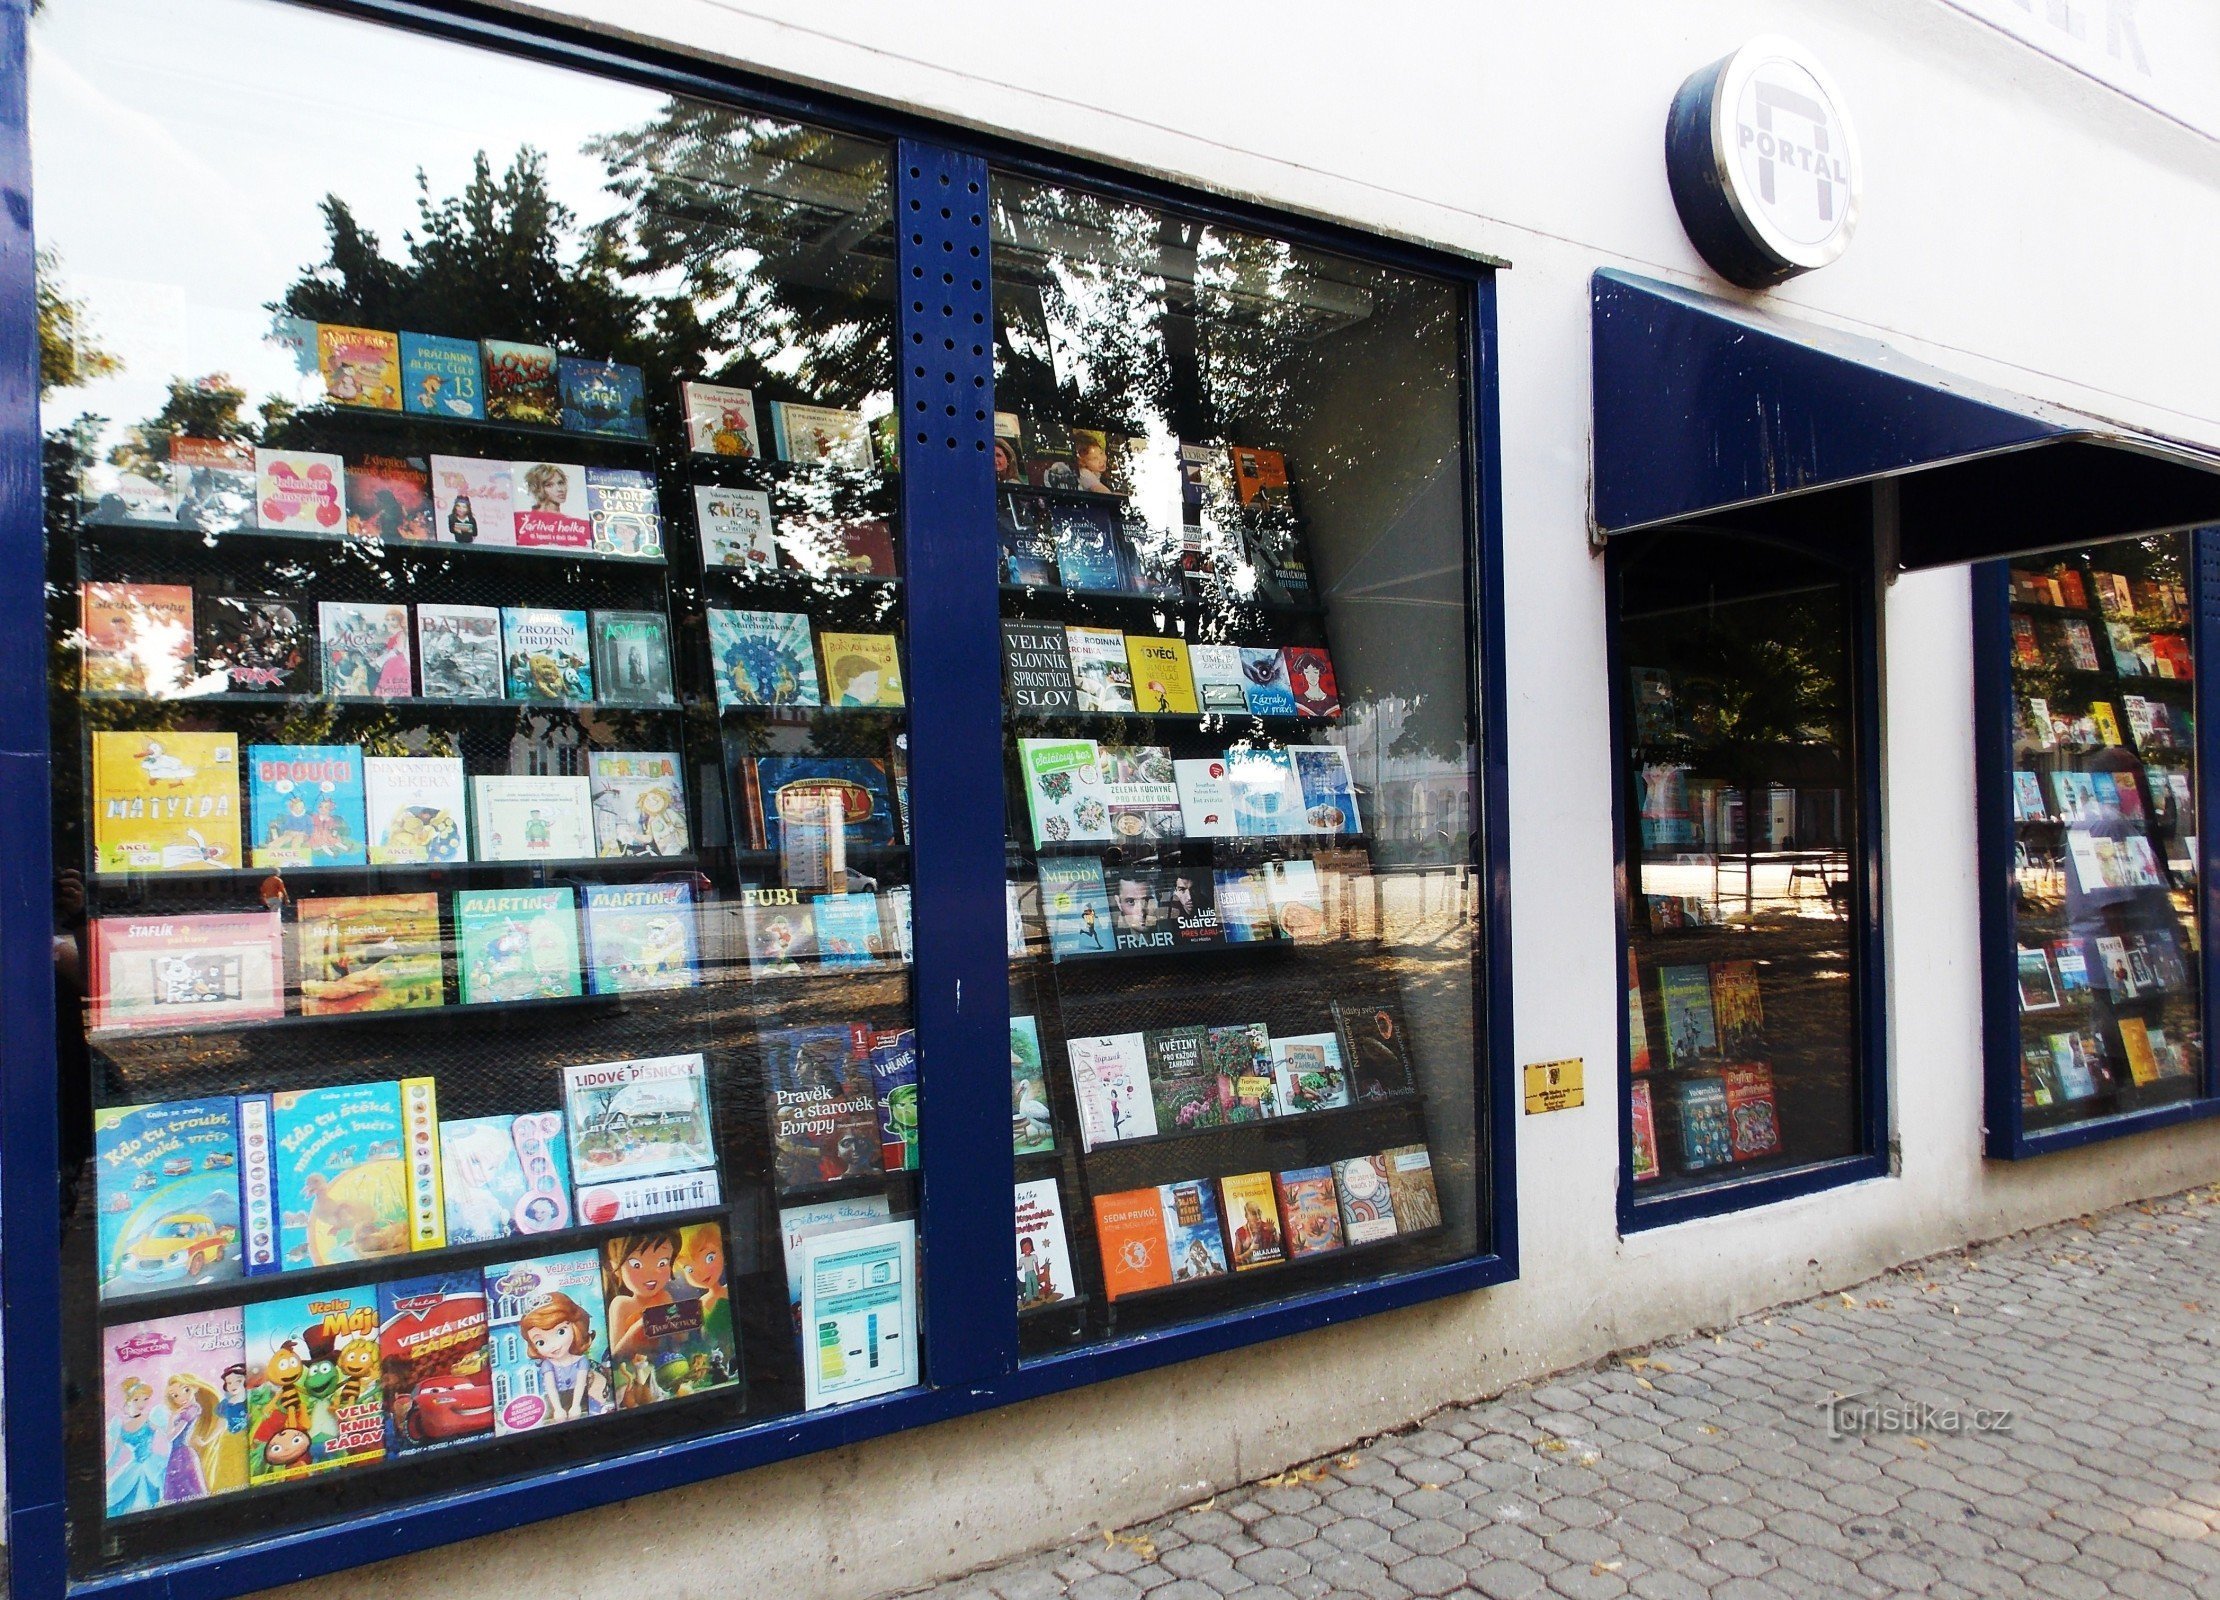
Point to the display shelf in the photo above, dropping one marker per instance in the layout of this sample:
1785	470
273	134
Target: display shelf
1198	720
335	419
751	855
413	1017
391	869
1335	1118
189	537
778	467
1050	1308
413	702
1278	1268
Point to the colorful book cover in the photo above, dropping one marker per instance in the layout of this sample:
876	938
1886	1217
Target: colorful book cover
640	936
532	819
186	972
1075	902
548	1341
2135	1044
1266	801
2027	799
1327	792
810	435
523	383
836	547
1259	475
2074	1066
1032	1124
378	952
1308	1072
893	1059
632	1120
360	366
1194	1241
136	638
434	1360
1206	807
367	650
1691	1030
1043	1254
1086	539
670	1313
736	529
167	1178
253	644
473	501
1737	1008
1187	900
440	377
763	658
1310	675
1137	920
1252	1220
1064	790
720	421
516	944
1037	670
625	511
1310	1207
2037	990
1140	786
1028	545
1375	1047
315	1401
824	1108
1241	1054
174	1398
165	802
1706	1131
602	397
1245	906
212	483
1110	1080
504	1176
861	669
299	491
1410	1171
389	499
1183	1081
1264	683
342	1160
1163	683
1100	668
847	927
1298	900
1129	1228
1219	680
639	803
780	927
632	658
546	654
1645	1132
553	511
414	810
1367	1203
797	790
2025	652
306	802
1753	1119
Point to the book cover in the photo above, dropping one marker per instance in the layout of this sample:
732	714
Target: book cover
2135	1044
1032	1124
1656	711
1043	1256
252	644
186	972
389	499
1310	676
736	530
1188	902
835	547
763	658
1691	1031
1706	1131
414	810
2073	1066
174	1400
378	952
523	383
504	1176
640	936
1129	1228
1064	791
1264	683
531	819
299	491
136	638
306	802
720	421
167	1180
1325	788
1028	545
1206	808
341	1160
893	1060
1219	680
2081	646
360	366
638	802
547	1334
1260	475
440	377
780	927
1036	669
1194	1240
2025	652
1310	1208
1100	668
824	1107
1153	555
847	927
212	483
2037	990
1252	1220
434	1360
551	504
1137	920
625	511
632	658
1110	1080
1637	1025
1075	902
1375	1049
601	397
1298	900
315	1401
473	501
1162	681
812	435
1183	1080
1410	1173
670	1313
1644	1132
1245	906
1737	1008
546	654
2027	799
367	652
1367	1203
1241	1055
1753	1119
1140	786
861	669
1266	801
794	791
646	1118
1308	1072
516	944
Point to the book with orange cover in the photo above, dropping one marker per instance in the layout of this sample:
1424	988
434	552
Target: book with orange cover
1129	1226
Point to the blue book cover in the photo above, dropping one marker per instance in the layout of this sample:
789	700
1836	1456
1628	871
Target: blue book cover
440	377
1329	800
763	658
795	786
1264	682
1028	547
504	1176
1076	904
640	936
341	1174
305	804
1706	1138
847	929
1086	547
625	511
602	397
546	653
167	1176
1198	1244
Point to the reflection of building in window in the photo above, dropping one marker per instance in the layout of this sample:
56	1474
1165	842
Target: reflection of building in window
1417	797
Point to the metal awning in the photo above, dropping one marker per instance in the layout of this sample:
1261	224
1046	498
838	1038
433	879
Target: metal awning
1709	411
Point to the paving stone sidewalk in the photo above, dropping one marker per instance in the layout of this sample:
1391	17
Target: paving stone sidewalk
1705	1467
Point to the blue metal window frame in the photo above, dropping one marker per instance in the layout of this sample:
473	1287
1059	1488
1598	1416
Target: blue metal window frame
1637	1212
2005	1134
969	1308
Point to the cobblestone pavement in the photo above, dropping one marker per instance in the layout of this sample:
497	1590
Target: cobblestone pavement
1705	1467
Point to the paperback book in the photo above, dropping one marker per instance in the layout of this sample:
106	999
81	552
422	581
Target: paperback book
893	1058
1064	791
632	658
546	654
414	810
315	1401
367	650
1028	546
1310	677
523	383
547	1336
1110	1081
389	500
174	1400
1086	540
433	1359
473	501
379	952
341	1160
1183	1080
1308	1073
1206	806
516	944
1129	1228
1137	921
1367	1203
824	1108
1194	1241
1691	1030
1266	801
1220	684
1706	1130
1100	668
847	928
1324	786
167	1180
1410	1172
212	484
306	801
670	1313
640	936
531	819
1241	1055
626	512
1075	903
813	435
1163	683
1140	786
1036	669
1753	1119
780	927
1252	1221
1375	1049
1264	683
1043	1255
186	971
735	528
1310	1207
789	792
1032	1123
440	378
256	645
861	669
638	801
763	658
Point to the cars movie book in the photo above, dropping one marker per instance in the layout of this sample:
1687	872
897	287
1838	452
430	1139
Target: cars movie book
436	1367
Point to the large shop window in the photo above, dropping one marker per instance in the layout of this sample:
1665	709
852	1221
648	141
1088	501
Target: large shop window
1241	755
1741	710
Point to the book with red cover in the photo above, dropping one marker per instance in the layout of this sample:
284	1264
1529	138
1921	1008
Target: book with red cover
1310	673
1753	1120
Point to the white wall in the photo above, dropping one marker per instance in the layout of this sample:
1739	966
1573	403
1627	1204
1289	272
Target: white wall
2022	223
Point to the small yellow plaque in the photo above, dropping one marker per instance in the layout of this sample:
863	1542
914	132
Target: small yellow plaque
1553	1085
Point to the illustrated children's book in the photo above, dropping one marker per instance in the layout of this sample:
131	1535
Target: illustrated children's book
735	528
433	1360
316	1395
602	397
1110	1080
1264	683
366	649
635	1126
1375	1047
532	819
136	638
1645	1132
547	1341
1043	1255
1064	790
361	366
174	1398
211	483
1706	1131
186	972
257	645
1308	1072
861	669
1252	1220
1194	1241
1032	1124
389	499
720	421
639	803
505	1176
780	929
523	383
355	1172
440	378
1100	668
167	1178
1036	668
1753	1121
848	929
763	658
1129	1226
414	810
516	944
1367	1203
1310	675
1410	1171
1691	1029
299	491
626	512
1310	1206
819	434
377	952
545	654
306	801
835	547
473	501
824	1107
1737	1008
632	658
893	1058
670	1313
640	936
165	802
1075	903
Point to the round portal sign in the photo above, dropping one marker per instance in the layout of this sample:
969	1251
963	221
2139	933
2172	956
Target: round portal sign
1763	163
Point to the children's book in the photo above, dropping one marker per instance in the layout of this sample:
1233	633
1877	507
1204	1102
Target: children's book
1310	675
893	1057
1036	669
735	528
1064	790
2027	798
861	669
1141	788
1206	807
1245	905
1328	795
414	810
299	491
780	927
1032	1123
360	366
186	972
1706	1131
640	1137
531	819
601	397
1086	547
1410	1172
1266	801
670	1313
440	378
136	638
434	1362
837	547
523	383
1737	1009
1298	900
1753	1119
212	483
1129	1227
1027	542
1219	680
547	1339
1075	902
545	654
1163	683
810	435
763	658
377	952
1375	1047
720	421
1308	1072
552	512
315	1397
1645	1132
632	658
516	944
639	803
824	1107
847	927
1100	669
1110	1080
473	501
1194	1242
174	1399
1043	1255
1264	683
505	1176
1252	1220
626	512
1691	1030
1637	1024
355	1172
1241	1055
1367	1203
251	644
640	936
367	650
786	793
306	801
389	500
1310	1207
167	1180
1183	1081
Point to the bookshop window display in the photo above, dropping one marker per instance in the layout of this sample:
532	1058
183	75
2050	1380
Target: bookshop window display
1739	705
1244	954
479	774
